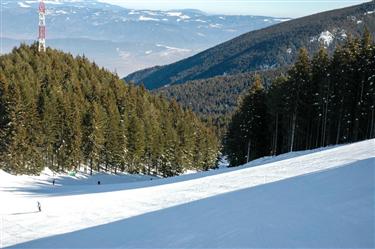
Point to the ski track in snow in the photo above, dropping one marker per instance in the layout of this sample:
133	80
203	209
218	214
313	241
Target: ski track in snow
67	211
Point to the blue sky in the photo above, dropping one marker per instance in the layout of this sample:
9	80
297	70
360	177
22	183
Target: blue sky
281	8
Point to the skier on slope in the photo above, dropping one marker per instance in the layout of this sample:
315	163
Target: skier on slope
39	206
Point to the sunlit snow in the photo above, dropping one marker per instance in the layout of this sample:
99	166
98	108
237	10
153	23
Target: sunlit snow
322	198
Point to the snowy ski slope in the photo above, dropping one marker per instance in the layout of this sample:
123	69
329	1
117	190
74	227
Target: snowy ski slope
319	198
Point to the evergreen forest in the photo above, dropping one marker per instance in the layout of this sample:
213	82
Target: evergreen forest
66	113
322	100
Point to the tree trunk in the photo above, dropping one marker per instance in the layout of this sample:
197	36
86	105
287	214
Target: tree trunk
372	124
325	117
324	126
52	160
357	115
339	124
338	131
317	133
276	135
294	118
248	151
307	138
91	166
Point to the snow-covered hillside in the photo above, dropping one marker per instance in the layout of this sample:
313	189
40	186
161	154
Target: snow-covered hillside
322	198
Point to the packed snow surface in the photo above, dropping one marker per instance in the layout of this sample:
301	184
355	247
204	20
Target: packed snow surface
321	198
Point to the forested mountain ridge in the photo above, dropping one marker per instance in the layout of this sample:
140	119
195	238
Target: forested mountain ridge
215	99
62	112
270	47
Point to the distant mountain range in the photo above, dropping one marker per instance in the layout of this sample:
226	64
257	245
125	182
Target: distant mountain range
268	48
123	39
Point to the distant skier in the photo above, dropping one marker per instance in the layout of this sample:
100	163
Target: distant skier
39	206
98	182
53	182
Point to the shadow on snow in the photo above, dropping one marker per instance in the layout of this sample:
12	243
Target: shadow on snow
330	209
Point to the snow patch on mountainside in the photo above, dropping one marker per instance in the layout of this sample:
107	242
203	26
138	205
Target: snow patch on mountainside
173	48
23	5
51	1
282	19
215	25
151	13
326	38
133	12
145	18
185	17
174	13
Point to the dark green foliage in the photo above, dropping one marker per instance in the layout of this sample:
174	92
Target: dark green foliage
322	101
216	98
271	47
65	113
247	136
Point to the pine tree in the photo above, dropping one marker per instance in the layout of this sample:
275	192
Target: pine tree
136	144
364	114
321	92
94	144
298	82
249	127
4	114
275	105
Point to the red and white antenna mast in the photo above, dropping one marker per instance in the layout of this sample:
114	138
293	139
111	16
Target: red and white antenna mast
42	27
